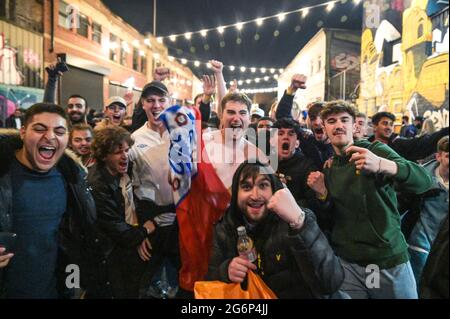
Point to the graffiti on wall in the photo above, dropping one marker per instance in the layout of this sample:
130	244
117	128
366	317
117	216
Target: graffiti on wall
404	67
9	71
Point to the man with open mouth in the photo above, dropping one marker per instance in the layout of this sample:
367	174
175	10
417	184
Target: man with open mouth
43	192
125	241
114	112
317	145
294	258
154	200
293	166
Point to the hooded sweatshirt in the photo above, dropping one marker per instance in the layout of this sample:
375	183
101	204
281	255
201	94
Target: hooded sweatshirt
366	220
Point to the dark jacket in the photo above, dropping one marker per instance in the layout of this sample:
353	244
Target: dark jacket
293	263
11	122
296	170
417	148
120	240
318	152
434	282
78	239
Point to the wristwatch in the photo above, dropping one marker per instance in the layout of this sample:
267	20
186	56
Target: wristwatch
299	222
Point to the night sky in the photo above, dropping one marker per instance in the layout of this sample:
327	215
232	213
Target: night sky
267	50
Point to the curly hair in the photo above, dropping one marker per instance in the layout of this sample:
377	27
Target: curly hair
335	107
107	140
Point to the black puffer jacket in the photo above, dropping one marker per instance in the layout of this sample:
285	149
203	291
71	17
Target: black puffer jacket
78	241
118	237
294	264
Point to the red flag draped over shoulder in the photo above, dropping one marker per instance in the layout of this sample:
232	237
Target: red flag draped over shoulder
199	207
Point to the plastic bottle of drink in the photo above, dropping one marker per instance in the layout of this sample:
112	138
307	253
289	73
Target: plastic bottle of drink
245	245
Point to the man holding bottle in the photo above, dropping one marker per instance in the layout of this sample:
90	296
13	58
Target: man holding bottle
293	257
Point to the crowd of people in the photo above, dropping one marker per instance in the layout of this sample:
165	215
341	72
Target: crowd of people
333	212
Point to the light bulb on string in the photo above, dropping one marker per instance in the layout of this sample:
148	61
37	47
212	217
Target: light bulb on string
232	67
203	33
281	16
259	22
330	6
243	68
221	29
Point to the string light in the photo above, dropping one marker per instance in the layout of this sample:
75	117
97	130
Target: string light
259	21
261	90
305	12
160	40
281	17
173	38
330	6
147	42
188	35
198	63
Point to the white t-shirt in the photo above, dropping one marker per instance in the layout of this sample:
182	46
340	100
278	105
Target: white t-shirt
226	158
150	157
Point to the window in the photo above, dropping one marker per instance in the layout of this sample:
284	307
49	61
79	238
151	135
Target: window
420	31
84	26
123	54
135	59
143	64
65	11
96	32
312	68
319	64
113	47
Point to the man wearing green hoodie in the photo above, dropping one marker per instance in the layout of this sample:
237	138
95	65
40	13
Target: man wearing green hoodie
366	231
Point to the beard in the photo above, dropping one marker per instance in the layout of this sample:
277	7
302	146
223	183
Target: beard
77	117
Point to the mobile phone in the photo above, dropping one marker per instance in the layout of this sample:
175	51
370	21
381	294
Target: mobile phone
8	241
62	67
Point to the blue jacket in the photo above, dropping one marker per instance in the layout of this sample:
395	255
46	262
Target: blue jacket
433	211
